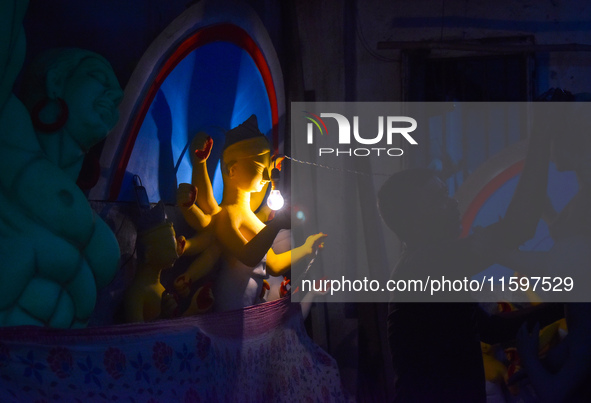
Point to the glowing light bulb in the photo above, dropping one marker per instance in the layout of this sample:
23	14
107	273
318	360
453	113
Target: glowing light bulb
275	200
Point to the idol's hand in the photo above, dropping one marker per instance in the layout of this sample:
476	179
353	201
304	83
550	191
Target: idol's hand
186	195
168	305
314	242
182	285
202	148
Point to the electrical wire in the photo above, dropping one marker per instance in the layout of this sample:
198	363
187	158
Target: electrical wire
363	41
333	168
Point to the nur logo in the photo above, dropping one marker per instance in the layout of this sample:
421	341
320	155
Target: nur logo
318	122
394	125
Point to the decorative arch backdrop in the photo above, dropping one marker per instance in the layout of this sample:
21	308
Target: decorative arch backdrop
484	197
208	71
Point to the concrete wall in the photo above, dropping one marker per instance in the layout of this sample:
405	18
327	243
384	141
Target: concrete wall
324	27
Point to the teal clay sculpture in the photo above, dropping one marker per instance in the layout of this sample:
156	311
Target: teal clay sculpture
56	252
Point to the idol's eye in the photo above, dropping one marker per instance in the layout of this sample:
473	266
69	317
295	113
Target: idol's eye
259	167
100	76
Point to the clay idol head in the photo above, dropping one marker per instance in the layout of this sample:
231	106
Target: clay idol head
246	157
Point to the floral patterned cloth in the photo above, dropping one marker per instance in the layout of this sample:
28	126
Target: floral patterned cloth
260	353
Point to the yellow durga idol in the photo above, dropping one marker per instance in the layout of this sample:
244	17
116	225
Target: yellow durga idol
241	238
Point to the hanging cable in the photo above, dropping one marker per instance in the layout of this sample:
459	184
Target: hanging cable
333	168
363	41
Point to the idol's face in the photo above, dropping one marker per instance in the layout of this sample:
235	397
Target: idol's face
252	174
92	94
161	246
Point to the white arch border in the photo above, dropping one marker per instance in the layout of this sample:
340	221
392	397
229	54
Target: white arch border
201	15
